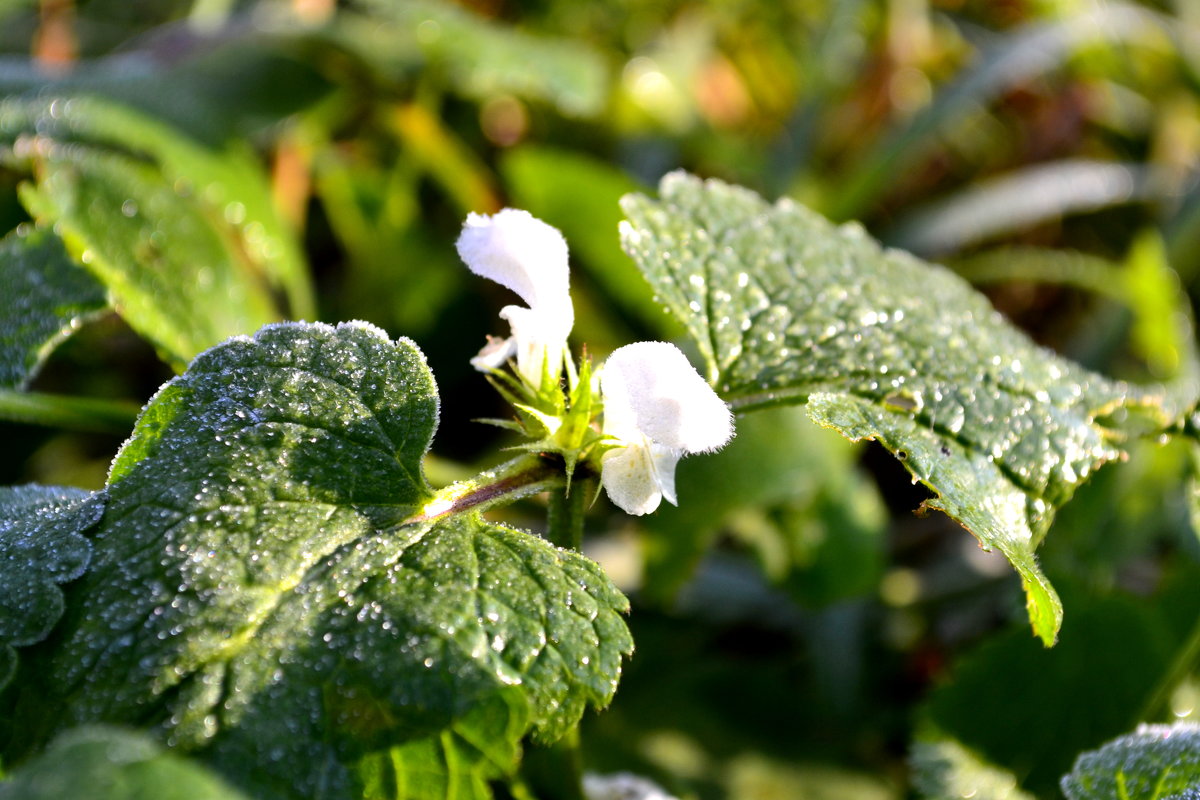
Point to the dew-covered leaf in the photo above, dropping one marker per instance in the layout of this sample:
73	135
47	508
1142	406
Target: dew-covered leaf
787	308
183	237
108	763
945	770
1156	762
46	297
257	592
41	546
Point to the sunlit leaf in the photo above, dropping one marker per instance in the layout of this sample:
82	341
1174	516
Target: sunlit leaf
1013	202
274	607
41	546
787	308
184	237
483	58
46	297
1156	762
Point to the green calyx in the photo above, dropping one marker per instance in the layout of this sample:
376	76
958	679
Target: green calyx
560	419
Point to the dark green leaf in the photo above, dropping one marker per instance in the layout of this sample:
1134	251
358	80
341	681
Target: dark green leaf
256	591
945	770
1032	711
41	546
1157	762
46	298
787	308
107	763
215	85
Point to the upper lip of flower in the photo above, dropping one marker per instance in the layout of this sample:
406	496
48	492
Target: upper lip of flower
524	254
650	389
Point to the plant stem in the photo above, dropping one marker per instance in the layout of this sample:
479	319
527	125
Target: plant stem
520	477
564	520
63	411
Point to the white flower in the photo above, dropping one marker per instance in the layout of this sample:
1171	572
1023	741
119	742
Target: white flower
622	786
522	253
659	408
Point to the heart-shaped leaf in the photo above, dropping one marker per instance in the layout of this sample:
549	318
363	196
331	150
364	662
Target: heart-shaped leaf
787	308
262	592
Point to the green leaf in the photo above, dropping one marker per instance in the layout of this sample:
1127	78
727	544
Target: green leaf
46	296
258	592
482	58
1022	199
184	237
107	763
41	546
945	770
169	272
1156	762
787	308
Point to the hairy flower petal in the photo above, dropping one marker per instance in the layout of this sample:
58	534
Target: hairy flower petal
659	408
651	389
526	255
639	476
520	252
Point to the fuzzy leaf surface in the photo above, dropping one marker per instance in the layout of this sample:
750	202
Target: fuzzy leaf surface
255	587
785	307
41	547
47	296
1156	762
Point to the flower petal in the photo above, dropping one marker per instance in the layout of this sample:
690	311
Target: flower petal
495	354
637	477
650	389
539	341
519	251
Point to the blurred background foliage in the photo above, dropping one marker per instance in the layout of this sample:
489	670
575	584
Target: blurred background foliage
219	164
